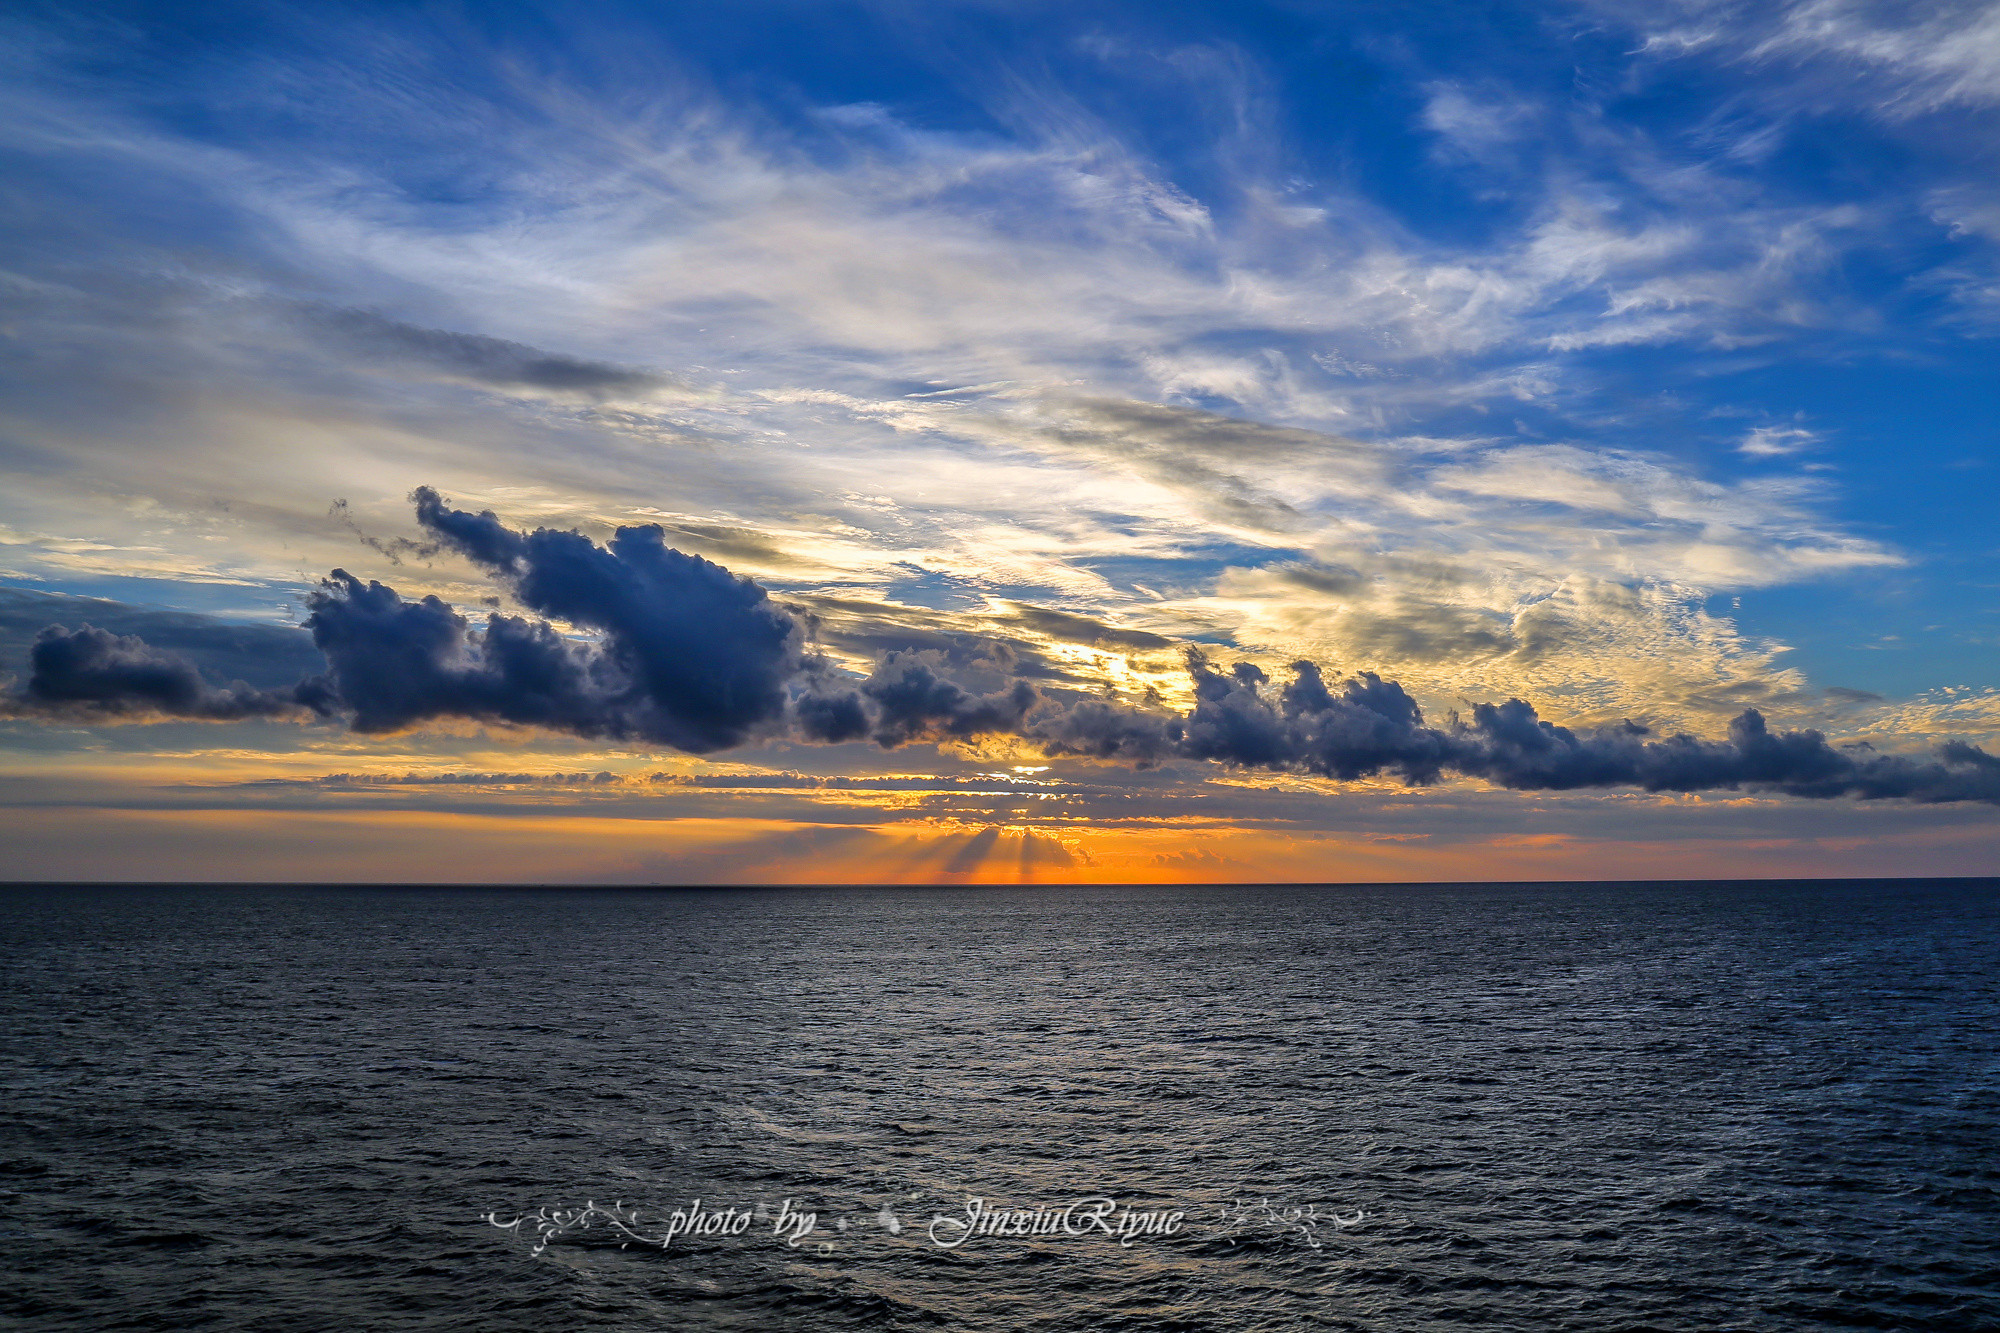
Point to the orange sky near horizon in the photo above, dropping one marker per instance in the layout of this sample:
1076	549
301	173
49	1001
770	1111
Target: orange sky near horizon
410	846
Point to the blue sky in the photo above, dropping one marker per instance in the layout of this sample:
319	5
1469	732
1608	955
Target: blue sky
1634	361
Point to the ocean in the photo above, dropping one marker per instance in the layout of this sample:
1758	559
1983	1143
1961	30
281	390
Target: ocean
1700	1106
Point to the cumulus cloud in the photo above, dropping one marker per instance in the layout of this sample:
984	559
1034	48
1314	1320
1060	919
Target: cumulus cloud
1371	726
914	700
265	655
91	674
689	656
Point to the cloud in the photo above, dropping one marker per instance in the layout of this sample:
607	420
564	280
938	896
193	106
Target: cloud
268	656
1072	628
1476	125
914	700
1372	726
476	358
1926	58
89	674
689	656
1776	441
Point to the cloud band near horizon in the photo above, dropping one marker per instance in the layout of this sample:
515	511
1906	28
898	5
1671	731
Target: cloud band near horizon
688	656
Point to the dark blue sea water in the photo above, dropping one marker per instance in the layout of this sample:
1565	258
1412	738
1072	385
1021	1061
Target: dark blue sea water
1752	1106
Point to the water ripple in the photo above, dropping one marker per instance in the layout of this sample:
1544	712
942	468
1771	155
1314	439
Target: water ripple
1674	1107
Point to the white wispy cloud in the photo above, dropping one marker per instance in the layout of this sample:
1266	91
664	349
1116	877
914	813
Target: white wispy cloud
1776	441
1899	61
1927	56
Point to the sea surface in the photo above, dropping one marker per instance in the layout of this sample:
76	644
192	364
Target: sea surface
1710	1106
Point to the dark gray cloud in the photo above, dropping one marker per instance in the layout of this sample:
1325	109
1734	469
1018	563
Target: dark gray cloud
832	718
474	357
1108	729
1369	726
267	656
394	663
913	700
92	674
1372	726
685	654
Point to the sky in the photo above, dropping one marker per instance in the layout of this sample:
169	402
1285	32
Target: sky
971	442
